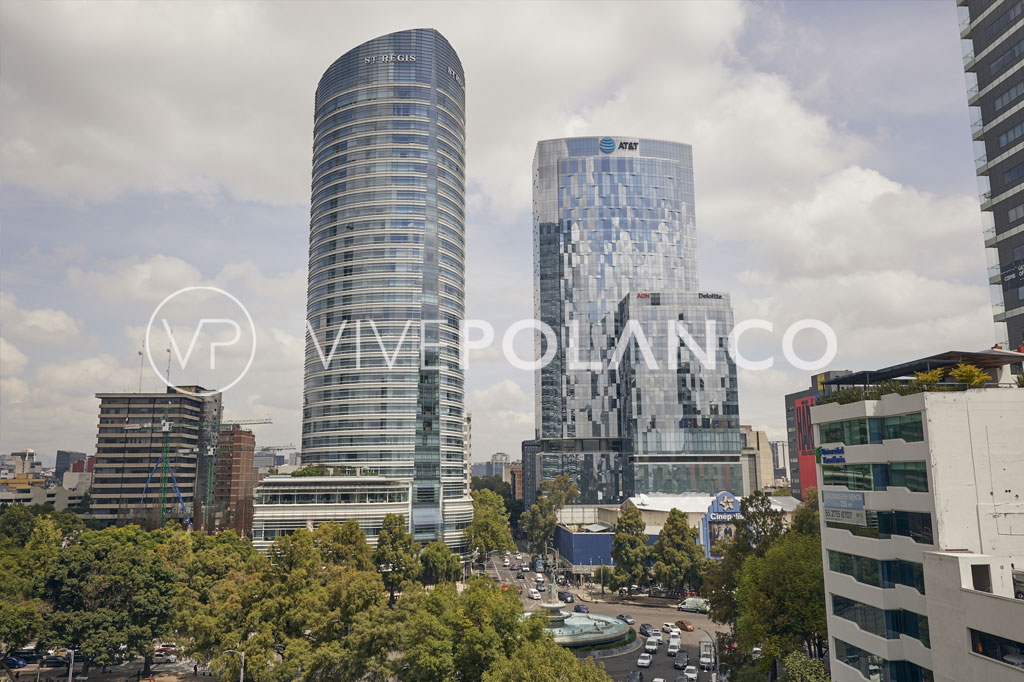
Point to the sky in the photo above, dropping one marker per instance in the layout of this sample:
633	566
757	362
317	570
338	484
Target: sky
150	147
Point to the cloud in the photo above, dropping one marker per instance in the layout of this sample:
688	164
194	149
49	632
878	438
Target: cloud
12	360
44	326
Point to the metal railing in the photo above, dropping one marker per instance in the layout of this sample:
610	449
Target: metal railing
968	58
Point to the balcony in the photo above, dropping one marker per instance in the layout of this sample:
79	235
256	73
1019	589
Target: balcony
989	235
977	128
984	198
981	165
965	27
969	61
972	93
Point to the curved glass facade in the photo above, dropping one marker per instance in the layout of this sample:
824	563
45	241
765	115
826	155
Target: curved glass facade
386	266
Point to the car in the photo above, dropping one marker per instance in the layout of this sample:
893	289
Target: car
682	660
635	676
690	673
506	563
520	576
580	608
534	594
707	662
651	645
519	556
646	629
684	625
756	653
674	633
30	655
625	618
658	636
12	662
53	662
673	647
644	661
164	657
504	586
658	679
566	597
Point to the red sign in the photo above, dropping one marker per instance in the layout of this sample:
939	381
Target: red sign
643	295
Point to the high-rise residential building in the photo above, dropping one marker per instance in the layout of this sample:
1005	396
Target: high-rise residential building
513	475
758	442
801	436
65	458
992	35
613	227
134	429
531	471
921	512
234	478
387	279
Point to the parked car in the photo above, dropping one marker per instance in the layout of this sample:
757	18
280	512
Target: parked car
684	625
566	597
30	655
682	660
13	662
53	662
644	661
635	676
580	608
506	563
625	618
690	673
164	657
646	629
534	594
673	647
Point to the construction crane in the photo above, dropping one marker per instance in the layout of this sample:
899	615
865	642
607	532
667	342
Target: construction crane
164	427
212	454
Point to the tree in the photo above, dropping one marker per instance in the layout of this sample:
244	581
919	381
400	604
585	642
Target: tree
930	377
310	470
677	556
344	544
781	598
800	668
439	564
604	575
544	661
540	520
755	529
489	530
396	555
629	549
20	622
970	375
805	518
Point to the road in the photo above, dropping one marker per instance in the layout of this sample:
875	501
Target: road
643	610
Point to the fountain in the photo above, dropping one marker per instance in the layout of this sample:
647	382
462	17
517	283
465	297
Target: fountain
579	629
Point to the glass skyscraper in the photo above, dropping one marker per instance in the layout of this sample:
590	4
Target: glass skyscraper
614	220
386	262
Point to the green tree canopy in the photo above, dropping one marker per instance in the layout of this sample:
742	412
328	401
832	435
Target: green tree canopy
439	564
677	556
805	518
629	549
781	598
800	668
489	531
540	520
397	554
544	661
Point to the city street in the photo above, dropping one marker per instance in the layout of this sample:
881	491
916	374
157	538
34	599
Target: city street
643	609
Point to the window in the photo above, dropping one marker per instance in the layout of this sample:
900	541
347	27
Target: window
1006	58
883	525
1017	212
877	669
1014	174
1003	20
1011	134
994	646
870	430
877	573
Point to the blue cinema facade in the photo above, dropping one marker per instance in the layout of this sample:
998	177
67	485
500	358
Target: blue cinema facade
386	278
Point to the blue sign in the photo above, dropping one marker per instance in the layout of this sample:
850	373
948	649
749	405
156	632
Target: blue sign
607	145
842	500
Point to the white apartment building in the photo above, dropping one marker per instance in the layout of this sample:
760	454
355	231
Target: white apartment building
922	515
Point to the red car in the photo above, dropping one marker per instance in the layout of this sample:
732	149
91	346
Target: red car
504	586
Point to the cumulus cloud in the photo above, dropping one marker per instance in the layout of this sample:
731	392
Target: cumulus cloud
44	326
12	360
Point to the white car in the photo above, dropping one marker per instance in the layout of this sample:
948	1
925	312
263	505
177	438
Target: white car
644	661
690	673
673	647
164	657
657	635
651	645
534	594
667	627
707	662
506	562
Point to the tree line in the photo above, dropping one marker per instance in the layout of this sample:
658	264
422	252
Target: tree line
321	605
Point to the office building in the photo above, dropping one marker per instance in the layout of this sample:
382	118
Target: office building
234	478
514	477
386	261
992	35
613	227
134	430
800	434
921	511
764	457
530	450
65	458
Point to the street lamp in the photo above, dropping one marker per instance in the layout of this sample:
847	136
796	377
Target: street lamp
714	649
241	674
